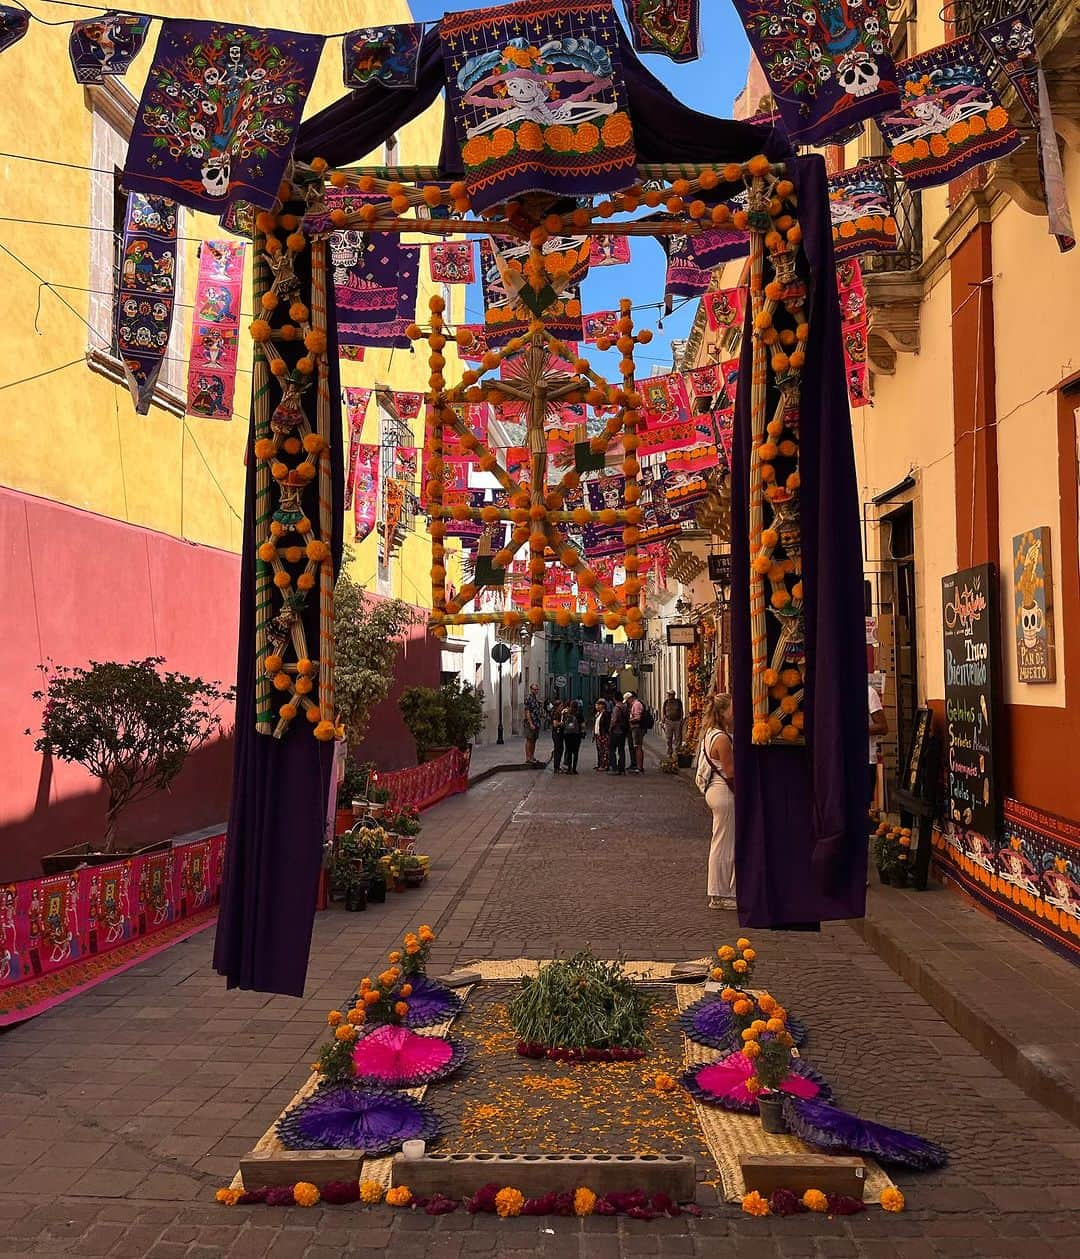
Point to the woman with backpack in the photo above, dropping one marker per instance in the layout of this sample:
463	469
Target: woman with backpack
572	730
715	778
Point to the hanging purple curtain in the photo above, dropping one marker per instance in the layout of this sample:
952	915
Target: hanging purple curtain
800	812
280	786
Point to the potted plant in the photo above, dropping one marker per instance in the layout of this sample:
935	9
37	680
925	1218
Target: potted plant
378	797
463	706
669	765
132	726
767	1044
412	870
424	714
356	887
685	756
352	787
891	850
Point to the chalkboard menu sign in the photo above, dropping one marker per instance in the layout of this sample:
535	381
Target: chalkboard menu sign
969	614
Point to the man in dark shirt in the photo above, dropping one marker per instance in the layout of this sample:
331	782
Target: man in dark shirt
617	733
532	724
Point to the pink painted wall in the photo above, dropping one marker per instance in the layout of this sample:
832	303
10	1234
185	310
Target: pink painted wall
81	587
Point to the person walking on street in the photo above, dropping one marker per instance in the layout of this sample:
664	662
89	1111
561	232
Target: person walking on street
601	726
879	725
672	716
618	729
572	730
638	723
533	717
715	778
557	714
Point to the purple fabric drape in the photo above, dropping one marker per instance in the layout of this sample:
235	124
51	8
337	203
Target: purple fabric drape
280	786
800	812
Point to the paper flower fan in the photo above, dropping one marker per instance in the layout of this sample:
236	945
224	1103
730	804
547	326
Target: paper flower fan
817	1123
397	1058
430	1003
709	1022
723	1083
345	1117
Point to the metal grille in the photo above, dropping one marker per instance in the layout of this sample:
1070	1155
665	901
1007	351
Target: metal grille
909	235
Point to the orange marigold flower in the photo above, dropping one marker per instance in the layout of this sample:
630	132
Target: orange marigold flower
345	1032
509	1201
815	1200
399	1196
584	1201
371	1192
754	1204
739	966
892	1199
305	1194
333	1018
401	1009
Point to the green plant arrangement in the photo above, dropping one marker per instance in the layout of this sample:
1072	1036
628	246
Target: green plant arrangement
367	640
354	783
580	1003
131	725
463	706
425	717
891	851
669	765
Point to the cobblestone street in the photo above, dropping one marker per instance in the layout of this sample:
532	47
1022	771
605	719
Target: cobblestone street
126	1107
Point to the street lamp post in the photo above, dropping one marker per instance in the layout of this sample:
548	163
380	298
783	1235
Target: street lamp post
500	653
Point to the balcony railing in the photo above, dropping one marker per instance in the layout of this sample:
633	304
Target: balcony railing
909	235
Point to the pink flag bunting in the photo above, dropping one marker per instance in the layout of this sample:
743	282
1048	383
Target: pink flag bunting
601	323
356	403
724	309
365	489
407	404
452	262
664	400
215	329
852	296
609	251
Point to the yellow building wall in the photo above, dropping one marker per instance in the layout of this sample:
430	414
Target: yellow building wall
1036	309
72	435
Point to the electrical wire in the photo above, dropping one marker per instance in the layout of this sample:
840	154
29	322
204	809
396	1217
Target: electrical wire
49	371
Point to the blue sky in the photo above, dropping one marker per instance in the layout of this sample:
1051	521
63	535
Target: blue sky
709	84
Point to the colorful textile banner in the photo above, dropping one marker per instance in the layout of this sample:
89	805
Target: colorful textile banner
145	293
406	465
670	27
63	933
681	487
407	404
542	111
424	785
705	386
356	404
505	316
474	352
949	119
239	219
452	262
851	292
862	211
601	323
725	310
219	113
388	55
701	453
692	259
395	505
609	251
365	489
827	62
852	297
106	45
664	400
215	329
385	267
14	23
1012	41
657	441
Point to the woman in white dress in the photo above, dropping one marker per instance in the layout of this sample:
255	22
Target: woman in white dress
716	777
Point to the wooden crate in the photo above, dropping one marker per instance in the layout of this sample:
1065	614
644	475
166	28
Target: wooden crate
799	1172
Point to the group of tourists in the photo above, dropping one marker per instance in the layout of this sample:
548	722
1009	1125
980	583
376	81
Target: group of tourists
618	725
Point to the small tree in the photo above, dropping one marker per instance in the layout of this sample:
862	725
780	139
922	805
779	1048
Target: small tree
463	705
367	639
130	725
425	716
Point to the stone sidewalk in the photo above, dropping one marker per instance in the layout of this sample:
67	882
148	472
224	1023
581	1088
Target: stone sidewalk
123	1109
